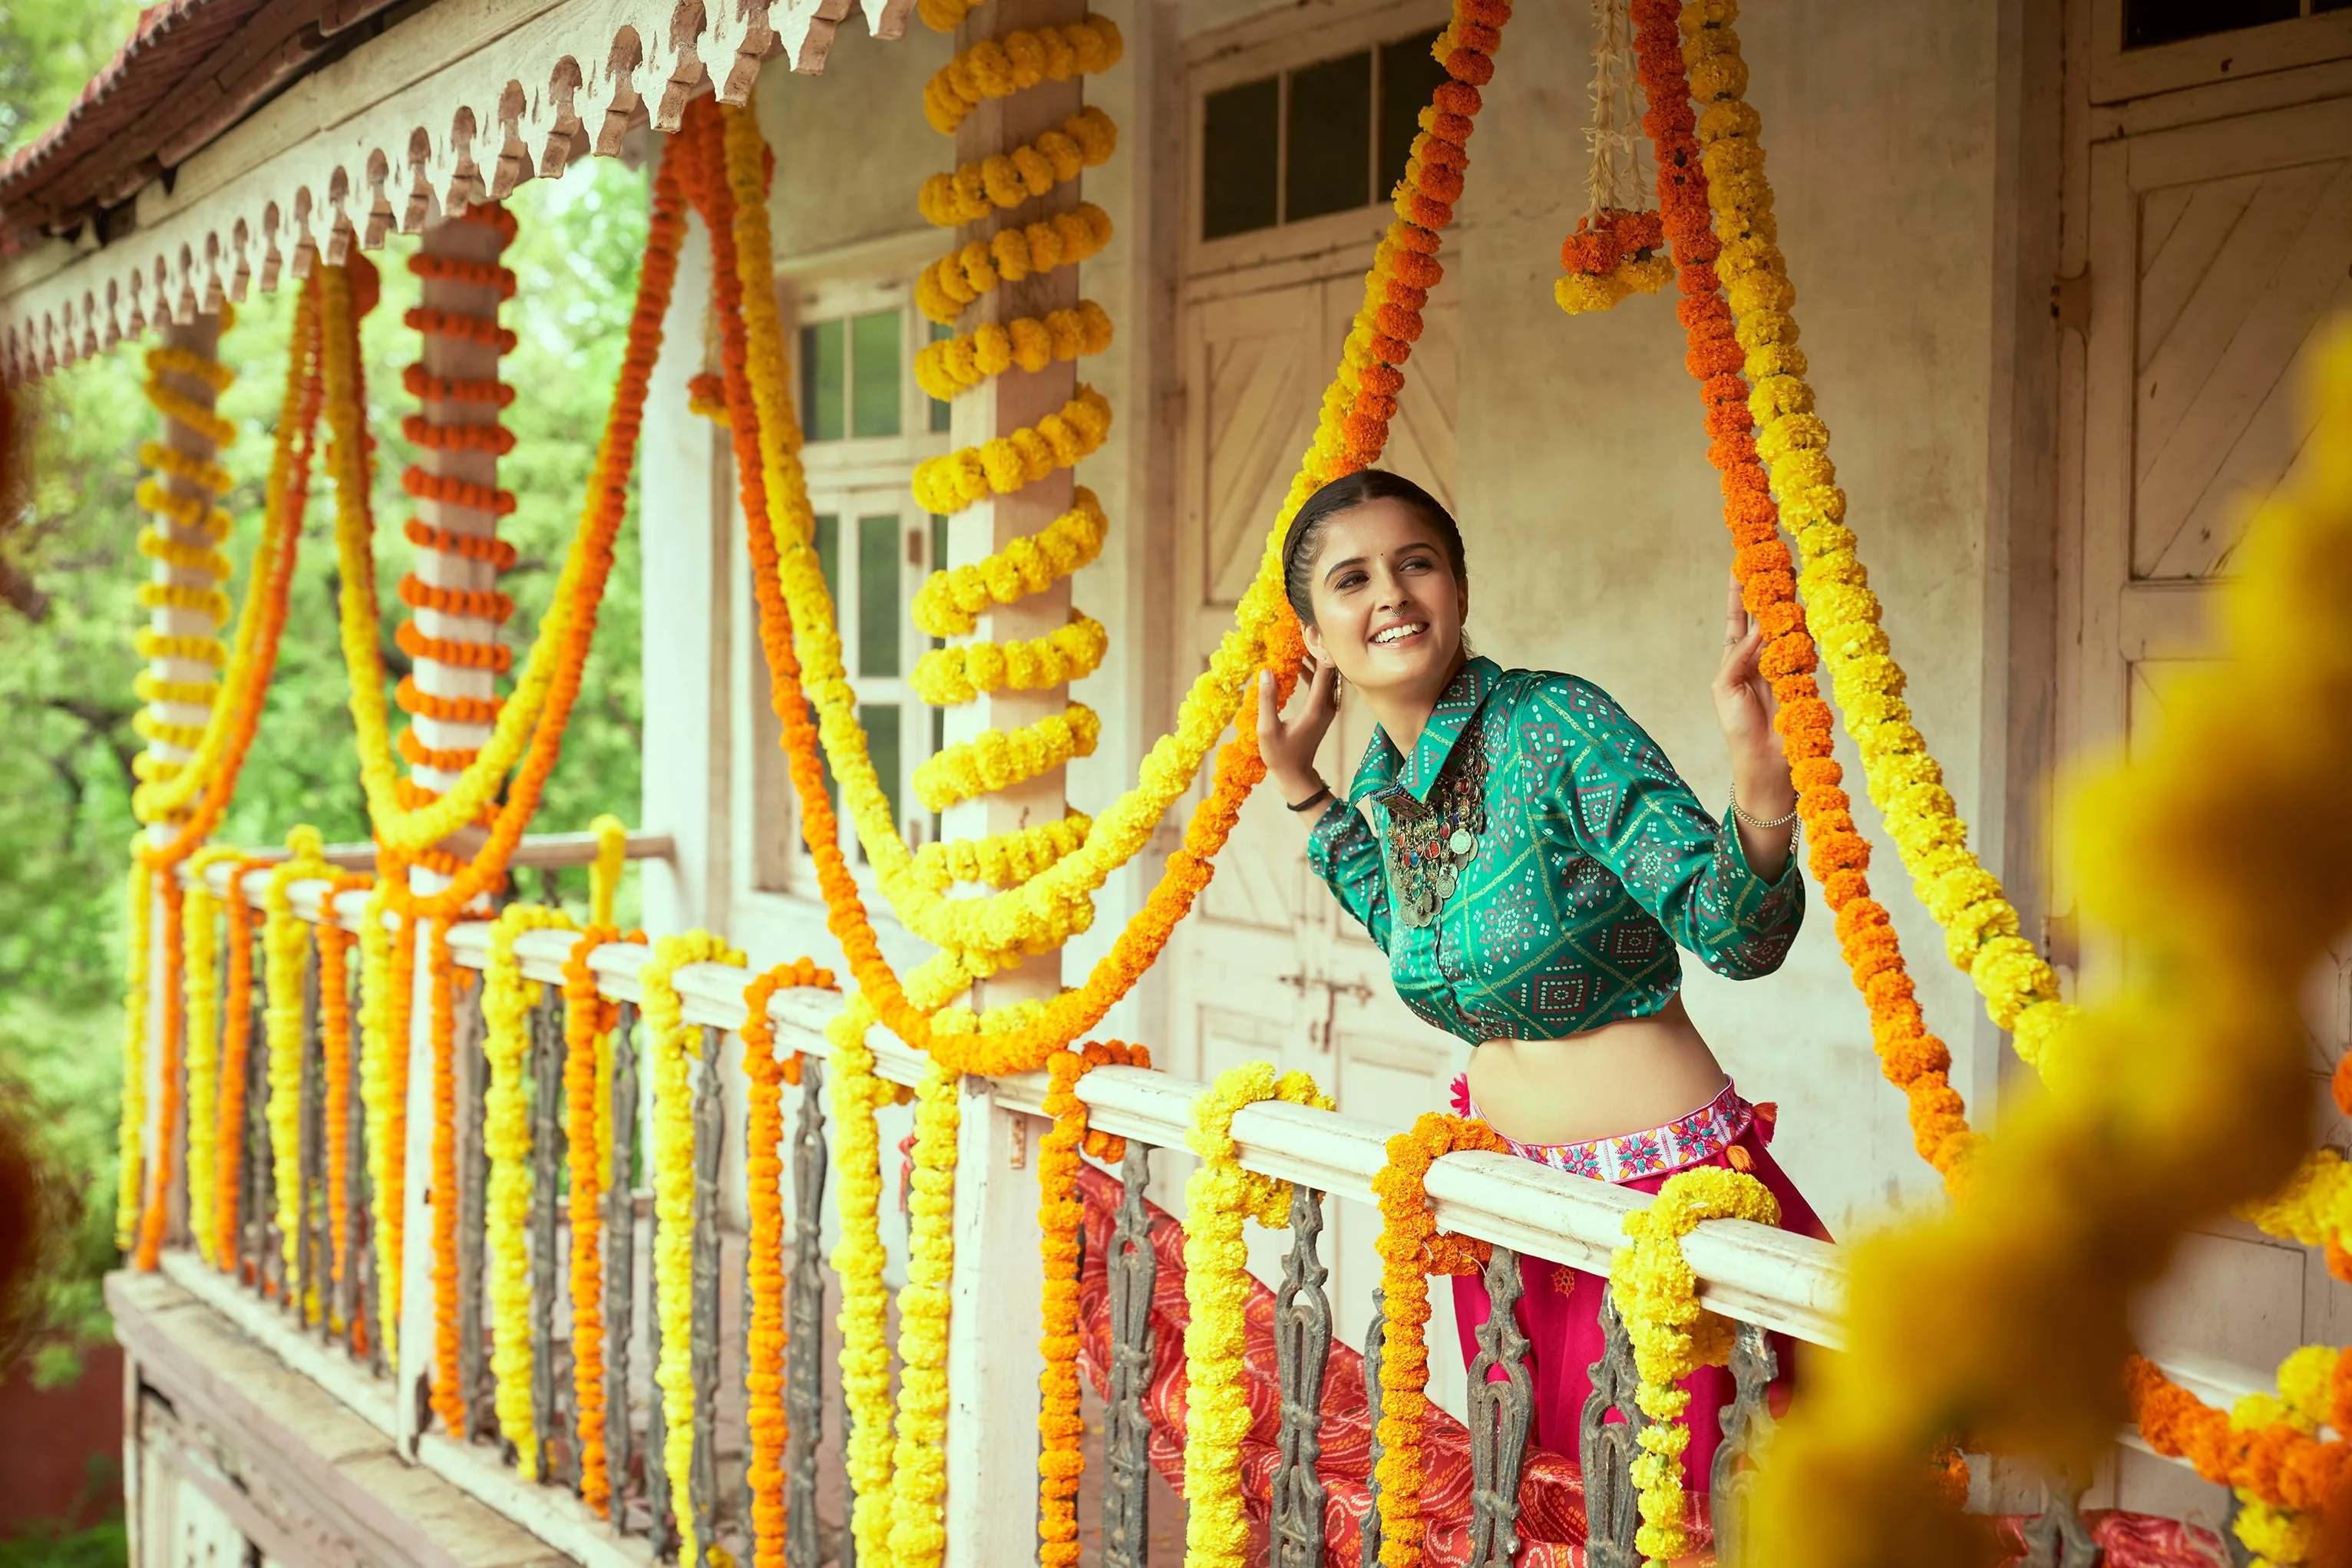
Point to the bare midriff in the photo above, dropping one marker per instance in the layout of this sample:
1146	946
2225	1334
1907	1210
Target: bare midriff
1624	1076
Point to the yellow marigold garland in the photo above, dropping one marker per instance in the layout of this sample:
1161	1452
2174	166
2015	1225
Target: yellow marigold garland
2198	1068
286	949
605	872
507	1002
998	67
1031	342
1657	1295
2283	1537
943	288
952	599
1219	1197
1980	924
945	677
853	1093
200	965
672	1044
999	759
918	1473
387	977
1412	1249
1004	464
1087	140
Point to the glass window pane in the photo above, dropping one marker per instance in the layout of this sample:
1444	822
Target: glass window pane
1238	129
940	414
828	555
873	374
1330	165
877	595
2152	22
881	722
822	381
1409	75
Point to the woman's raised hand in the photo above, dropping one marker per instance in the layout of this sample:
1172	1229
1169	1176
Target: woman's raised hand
1743	697
1288	741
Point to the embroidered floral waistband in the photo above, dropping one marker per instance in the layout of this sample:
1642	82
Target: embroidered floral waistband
1687	1140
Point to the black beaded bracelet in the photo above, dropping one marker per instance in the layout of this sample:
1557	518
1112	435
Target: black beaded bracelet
1311	802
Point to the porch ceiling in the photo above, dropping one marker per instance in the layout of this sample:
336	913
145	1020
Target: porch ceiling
229	139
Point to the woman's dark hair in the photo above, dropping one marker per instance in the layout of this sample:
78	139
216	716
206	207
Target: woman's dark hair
1345	494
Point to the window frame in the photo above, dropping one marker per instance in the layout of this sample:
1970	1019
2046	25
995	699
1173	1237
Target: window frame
1272	45
2118	74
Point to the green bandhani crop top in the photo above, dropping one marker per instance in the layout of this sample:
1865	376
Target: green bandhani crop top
1531	867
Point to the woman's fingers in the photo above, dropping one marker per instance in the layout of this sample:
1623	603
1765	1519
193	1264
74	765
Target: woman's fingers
1735	616
1269	721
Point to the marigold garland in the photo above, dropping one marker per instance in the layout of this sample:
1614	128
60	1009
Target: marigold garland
236	1037
763	1373
943	288
387	983
1911	1058
167	1078
2198	1067
201	964
1219	1196
1030	342
672	1045
1657	1295
589	1020
285	951
919	1469
2281	1537
1059	1214
507	1000
334	946
998	67
131	1149
1000	466
1412	1249
1086	140
1614	253
443	979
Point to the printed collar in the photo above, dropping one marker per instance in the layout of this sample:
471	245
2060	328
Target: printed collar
1379	775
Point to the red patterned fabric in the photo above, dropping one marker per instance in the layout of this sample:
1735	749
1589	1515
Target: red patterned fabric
1551	1491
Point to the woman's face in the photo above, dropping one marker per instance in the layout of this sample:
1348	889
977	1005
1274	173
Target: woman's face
1388	609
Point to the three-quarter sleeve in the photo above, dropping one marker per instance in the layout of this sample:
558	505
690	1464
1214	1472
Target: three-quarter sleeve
1610	786
1345	852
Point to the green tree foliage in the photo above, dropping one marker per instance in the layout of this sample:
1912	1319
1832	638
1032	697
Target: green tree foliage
69	568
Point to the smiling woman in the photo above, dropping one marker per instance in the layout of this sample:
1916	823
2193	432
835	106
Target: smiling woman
1530	863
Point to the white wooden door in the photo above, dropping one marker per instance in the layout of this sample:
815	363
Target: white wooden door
2218	251
1268	966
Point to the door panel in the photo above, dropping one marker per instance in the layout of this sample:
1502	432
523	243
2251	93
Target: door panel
2217	252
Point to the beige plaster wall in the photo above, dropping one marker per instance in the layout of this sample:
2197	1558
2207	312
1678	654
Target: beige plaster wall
849	140
1594	528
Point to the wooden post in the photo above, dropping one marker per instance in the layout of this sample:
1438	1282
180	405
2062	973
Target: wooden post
993	1363
200	336
444	355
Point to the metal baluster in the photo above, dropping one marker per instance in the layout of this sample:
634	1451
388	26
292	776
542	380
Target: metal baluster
710	1133
1605	1449
473	1218
309	1085
547	1156
621	1254
2057	1537
253	1233
1747	1426
1500	1414
1134	1272
1376	1339
659	1500
365	1255
355	1299
1302	1346
805	1347
2240	1556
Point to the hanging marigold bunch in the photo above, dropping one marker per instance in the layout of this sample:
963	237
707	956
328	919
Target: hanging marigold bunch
1657	1294
1914	1059
508	999
1614	253
589	1020
1412	1249
1060	1212
200	948
763	1368
335	1045
1219	1197
671	1043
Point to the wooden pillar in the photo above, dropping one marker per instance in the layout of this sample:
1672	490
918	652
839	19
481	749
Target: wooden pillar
200	336
474	246
993	1361
998	407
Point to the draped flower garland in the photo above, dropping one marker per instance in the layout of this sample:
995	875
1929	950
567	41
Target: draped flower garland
1657	1295
200	948
1412	1249
671	1045
286	950
1219	1197
589	1020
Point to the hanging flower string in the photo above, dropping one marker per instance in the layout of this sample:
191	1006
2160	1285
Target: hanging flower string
236	1035
589	1020
200	947
1061	1427
285	951
763	1371
1219	1197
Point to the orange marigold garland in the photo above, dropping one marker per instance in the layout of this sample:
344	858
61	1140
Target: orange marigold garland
1913	1059
1412	1249
1059	1215
168	894
449	1396
588	1020
236	1040
335	1044
763	1373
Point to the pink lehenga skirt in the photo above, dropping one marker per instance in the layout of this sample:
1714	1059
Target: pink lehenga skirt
1560	1307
